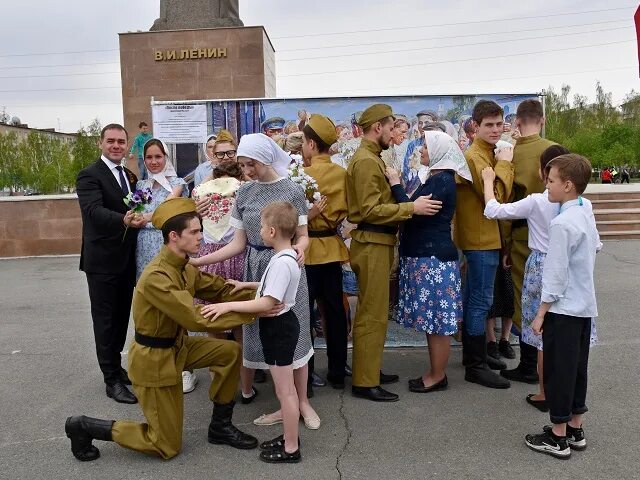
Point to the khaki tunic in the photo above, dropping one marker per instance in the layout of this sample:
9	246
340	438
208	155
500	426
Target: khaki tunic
370	200
331	179
163	307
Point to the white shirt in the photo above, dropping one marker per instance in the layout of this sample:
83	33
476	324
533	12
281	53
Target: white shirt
538	211
114	171
567	275
280	279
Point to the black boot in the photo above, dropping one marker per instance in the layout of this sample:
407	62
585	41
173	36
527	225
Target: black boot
82	430
221	430
477	370
527	369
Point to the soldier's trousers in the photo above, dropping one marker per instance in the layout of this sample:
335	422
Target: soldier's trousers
163	406
371	263
519	254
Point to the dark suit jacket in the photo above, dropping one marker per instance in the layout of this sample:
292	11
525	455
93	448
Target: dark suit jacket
104	250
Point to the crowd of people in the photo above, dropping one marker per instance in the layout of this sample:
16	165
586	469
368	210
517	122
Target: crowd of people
232	275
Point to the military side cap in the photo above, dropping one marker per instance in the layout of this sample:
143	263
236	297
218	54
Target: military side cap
324	128
171	208
272	123
374	114
225	136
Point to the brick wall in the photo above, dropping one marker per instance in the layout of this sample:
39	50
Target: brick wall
40	225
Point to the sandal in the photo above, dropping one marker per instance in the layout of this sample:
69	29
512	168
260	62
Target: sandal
280	456
275	444
267	419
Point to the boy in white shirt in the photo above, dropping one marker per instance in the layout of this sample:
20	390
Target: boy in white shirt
279	335
568	303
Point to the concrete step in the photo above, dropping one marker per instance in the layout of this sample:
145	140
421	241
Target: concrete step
616	214
617	225
613	196
615	203
620	235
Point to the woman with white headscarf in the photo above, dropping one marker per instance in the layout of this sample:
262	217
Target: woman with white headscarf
265	163
430	297
164	183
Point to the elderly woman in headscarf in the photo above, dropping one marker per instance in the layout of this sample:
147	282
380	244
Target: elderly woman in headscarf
430	299
164	183
265	163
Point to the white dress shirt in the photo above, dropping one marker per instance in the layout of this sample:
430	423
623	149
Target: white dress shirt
567	276
114	171
538	211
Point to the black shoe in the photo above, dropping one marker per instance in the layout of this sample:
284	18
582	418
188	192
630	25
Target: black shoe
259	376
120	393
519	375
246	400
347	370
275	444
387	379
82	430
495	363
506	350
417	385
575	437
492	350
476	363
222	431
376	394
337	383
547	442
280	456
539	404
482	375
317	381
124	376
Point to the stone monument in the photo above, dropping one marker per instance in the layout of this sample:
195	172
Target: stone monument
196	50
189	14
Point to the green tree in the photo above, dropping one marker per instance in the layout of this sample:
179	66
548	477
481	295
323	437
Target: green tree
85	149
11	167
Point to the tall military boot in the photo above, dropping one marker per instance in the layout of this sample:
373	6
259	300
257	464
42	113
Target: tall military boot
82	430
222	431
527	369
476	369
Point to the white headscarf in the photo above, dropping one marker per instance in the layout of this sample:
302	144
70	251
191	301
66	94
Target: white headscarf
445	154
204	146
168	171
263	149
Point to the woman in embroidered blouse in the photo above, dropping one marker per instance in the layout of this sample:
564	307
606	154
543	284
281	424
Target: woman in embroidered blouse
430	299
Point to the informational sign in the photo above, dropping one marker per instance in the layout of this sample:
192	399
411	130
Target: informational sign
179	123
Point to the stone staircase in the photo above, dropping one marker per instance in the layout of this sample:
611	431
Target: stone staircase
617	210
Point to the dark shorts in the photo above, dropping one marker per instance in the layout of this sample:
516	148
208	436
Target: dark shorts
279	337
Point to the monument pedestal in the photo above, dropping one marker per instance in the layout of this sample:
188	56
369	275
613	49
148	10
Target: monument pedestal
216	63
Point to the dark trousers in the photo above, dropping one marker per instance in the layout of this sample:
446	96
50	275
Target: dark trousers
566	358
325	286
110	297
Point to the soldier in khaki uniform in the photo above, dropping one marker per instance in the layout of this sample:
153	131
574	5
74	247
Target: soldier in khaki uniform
327	251
372	206
163	310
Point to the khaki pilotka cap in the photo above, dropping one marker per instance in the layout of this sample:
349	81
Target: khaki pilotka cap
171	208
324	128
374	114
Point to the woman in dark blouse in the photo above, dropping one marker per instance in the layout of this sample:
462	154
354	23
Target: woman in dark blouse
430	288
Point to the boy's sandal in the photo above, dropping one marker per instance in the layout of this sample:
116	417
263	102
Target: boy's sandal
280	456
276	443
267	419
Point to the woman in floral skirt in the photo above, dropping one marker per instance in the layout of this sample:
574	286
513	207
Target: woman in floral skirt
430	289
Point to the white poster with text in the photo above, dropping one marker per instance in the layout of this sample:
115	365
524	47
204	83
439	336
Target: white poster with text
180	123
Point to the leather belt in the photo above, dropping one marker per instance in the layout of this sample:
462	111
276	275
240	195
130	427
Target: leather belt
155	342
259	248
322	233
519	223
370	227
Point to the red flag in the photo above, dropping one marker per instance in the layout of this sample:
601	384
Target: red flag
636	17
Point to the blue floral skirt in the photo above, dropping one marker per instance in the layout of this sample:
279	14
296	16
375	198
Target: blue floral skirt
430	297
531	294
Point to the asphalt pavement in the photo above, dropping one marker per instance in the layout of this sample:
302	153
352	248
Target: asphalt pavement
49	371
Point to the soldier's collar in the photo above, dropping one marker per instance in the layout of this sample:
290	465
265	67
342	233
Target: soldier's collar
172	259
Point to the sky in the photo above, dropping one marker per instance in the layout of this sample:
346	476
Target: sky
59	61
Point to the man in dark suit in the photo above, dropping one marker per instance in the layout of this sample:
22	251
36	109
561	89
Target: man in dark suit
108	254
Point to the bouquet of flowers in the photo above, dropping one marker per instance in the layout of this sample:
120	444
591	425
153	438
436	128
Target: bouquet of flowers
136	202
308	184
